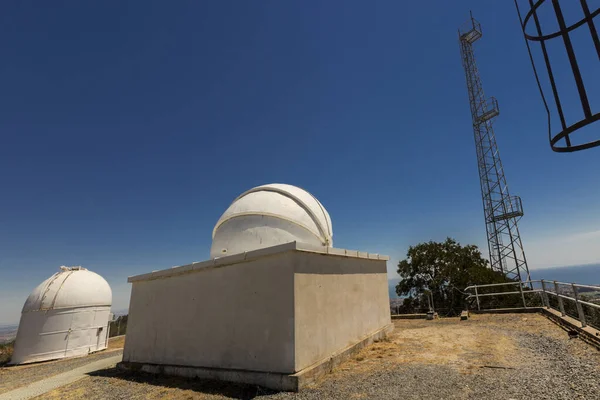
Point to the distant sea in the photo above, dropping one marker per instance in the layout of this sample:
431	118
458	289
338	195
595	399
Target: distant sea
585	274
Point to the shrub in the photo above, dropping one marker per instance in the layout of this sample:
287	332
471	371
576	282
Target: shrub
6	351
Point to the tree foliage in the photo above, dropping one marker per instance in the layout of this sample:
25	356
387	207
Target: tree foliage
444	269
6	350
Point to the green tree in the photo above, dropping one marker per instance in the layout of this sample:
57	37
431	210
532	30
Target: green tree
444	269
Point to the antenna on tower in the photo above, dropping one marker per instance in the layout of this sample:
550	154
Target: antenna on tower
502	211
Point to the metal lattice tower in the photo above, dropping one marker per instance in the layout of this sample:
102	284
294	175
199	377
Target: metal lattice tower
502	211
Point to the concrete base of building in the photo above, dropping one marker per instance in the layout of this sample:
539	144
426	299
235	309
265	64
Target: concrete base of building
409	316
520	310
271	380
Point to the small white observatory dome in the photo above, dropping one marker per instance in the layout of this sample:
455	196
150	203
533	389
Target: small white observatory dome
66	315
269	215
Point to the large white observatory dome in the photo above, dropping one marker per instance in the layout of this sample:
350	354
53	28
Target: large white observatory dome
66	315
269	215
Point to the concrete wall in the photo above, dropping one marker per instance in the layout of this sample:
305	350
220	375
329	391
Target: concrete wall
338	301
237	316
278	309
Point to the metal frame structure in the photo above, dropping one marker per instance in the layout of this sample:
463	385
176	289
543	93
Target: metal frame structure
502	211
563	32
545	291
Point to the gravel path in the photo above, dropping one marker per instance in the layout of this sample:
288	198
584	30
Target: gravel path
56	381
21	375
488	357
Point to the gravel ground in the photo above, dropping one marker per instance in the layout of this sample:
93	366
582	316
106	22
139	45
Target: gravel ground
488	357
20	375
57	381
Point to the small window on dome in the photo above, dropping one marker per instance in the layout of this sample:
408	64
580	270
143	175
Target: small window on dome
223	251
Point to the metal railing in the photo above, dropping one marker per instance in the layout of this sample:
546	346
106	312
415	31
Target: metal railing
470	31
487	110
512	208
544	291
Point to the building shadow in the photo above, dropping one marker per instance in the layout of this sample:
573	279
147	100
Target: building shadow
200	386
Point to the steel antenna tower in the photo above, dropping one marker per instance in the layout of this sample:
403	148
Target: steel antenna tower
502	211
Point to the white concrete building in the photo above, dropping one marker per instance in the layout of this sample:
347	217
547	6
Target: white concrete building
275	306
65	316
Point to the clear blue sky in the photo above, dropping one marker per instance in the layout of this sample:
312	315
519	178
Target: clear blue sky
128	127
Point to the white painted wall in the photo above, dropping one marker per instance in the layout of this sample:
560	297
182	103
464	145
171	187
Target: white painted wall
58	333
238	316
64	316
338	301
278	309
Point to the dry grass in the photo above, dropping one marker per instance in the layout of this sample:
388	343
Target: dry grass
464	345
116	343
57	394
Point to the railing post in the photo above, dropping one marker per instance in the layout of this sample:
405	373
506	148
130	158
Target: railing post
579	307
522	294
545	295
561	305
477	298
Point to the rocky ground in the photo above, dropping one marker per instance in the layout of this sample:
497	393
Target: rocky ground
509	356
